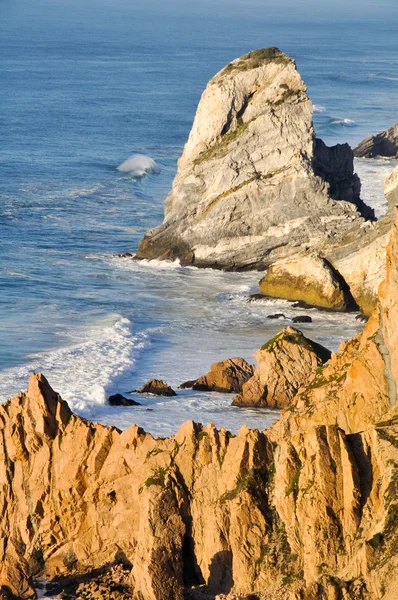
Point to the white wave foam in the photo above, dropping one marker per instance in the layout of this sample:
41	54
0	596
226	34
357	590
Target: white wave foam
337	121
318	108
138	165
372	173
87	373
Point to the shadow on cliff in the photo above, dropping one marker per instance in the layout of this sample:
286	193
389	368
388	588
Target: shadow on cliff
220	579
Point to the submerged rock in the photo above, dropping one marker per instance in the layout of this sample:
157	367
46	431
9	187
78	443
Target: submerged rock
285	363
382	144
302	319
157	387
119	400
309	279
226	376
253	183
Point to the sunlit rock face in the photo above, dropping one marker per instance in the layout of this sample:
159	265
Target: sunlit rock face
305	509
253	183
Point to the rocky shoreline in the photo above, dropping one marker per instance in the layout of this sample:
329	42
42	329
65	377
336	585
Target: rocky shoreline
305	509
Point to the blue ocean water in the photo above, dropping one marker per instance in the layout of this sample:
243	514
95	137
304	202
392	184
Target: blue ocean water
86	84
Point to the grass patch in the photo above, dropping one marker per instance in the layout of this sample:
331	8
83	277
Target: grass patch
157	478
242	483
376	541
154	452
256	59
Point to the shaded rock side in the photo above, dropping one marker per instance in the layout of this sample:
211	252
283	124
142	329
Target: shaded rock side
382	144
285	363
253	184
310	279
225	376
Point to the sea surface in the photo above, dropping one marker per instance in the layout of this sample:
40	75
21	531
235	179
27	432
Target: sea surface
85	85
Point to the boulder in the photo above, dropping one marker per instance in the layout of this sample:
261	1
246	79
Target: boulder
253	183
156	387
225	376
382	144
309	279
302	319
119	400
187	385
285	363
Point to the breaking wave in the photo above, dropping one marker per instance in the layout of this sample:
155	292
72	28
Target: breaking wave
138	165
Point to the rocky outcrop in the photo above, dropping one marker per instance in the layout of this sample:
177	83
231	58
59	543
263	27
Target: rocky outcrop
225	376
382	144
253	183
305	510
310	279
156	387
285	363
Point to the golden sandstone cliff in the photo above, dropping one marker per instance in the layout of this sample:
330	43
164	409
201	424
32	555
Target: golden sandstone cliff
307	509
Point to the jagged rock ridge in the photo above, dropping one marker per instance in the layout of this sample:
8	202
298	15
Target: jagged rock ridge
307	509
382	144
253	183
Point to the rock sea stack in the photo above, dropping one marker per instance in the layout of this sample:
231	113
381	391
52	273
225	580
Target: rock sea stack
253	183
382	144
285	363
226	376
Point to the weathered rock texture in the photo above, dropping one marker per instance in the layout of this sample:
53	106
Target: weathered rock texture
253	183
285	363
382	144
310	279
305	510
225	376
359	260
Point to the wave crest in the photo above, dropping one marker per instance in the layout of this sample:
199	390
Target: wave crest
138	165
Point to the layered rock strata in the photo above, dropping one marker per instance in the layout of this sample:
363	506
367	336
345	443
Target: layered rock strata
253	184
307	509
382	144
285	363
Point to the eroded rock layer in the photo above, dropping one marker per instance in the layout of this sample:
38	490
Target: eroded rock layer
253	183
